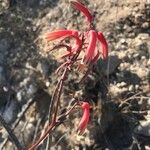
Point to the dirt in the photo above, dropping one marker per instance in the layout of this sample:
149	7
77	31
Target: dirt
118	89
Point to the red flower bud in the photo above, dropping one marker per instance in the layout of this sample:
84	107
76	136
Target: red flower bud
90	51
79	6
104	45
85	117
62	34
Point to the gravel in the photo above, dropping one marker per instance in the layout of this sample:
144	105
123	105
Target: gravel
27	72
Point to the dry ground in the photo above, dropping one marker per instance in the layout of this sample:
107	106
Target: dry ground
118	89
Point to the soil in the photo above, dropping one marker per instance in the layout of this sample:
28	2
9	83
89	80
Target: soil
118	89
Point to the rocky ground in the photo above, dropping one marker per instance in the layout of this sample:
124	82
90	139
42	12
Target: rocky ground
118	89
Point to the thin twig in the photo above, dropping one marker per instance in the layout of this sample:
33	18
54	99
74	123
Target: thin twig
12	136
52	108
24	109
47	132
132	98
52	126
36	129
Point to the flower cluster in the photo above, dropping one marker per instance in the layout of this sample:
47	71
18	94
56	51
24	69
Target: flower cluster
92	43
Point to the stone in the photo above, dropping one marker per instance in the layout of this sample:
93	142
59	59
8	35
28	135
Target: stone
112	61
145	25
2	76
144	36
142	72
32	89
9	111
143	128
4	45
43	67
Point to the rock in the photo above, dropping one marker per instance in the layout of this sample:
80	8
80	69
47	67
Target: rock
19	96
145	25
4	45
142	72
131	88
143	128
9	112
122	84
113	62
144	36
131	35
115	91
43	67
47	84
127	28
2	76
32	89
25	82
123	41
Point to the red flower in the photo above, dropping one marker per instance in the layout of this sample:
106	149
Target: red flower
104	45
85	117
78	5
62	34
90	52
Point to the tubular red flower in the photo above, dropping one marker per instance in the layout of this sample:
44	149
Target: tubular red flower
85	117
104	45
79	6
62	34
90	51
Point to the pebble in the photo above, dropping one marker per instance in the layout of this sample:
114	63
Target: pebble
2	76
43	67
116	91
145	25
47	84
143	57
4	46
131	35
113	61
124	65
144	36
19	96
135	55
142	72
148	62
122	84
25	82
32	89
136	86
9	111
143	128
122	41
131	88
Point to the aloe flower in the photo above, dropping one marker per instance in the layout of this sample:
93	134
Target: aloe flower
85	117
104	45
79	6
62	34
90	51
92	44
